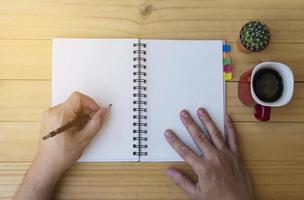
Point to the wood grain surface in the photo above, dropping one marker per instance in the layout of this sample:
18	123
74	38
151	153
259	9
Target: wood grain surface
272	151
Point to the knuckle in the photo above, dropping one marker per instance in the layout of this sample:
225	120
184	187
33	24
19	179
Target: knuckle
76	94
190	122
53	113
207	119
99	123
47	113
173	139
201	138
184	151
217	159
237	161
213	175
231	157
201	168
215	131
233	162
221	145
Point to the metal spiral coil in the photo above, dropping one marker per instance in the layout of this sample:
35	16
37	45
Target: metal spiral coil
140	100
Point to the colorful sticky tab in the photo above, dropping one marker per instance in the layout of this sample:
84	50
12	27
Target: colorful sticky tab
227	76
226	48
226	55
227	68
227	61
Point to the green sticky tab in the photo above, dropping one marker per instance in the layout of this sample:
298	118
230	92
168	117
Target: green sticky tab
227	61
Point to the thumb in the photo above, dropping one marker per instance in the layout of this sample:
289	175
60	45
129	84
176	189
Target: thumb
95	123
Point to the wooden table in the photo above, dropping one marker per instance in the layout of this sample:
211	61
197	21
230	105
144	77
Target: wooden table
273	151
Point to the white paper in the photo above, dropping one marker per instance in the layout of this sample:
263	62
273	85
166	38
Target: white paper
181	75
101	69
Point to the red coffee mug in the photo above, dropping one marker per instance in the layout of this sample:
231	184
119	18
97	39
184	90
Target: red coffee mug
247	95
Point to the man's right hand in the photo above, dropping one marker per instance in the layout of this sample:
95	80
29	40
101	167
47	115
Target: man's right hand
57	154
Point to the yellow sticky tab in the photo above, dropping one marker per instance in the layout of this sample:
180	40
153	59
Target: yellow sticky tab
227	76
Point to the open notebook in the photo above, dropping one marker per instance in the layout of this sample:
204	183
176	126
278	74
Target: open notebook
148	82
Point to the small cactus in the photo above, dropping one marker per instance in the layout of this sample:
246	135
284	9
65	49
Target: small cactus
254	36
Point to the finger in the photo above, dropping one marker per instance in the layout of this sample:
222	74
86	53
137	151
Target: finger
196	133
183	150
231	136
215	135
182	180
94	124
79	102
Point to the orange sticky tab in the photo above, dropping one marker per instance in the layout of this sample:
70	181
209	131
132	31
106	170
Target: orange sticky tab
226	55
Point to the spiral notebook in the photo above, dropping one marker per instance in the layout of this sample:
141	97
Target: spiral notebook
148	82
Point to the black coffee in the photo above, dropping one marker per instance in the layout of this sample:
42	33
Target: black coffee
268	85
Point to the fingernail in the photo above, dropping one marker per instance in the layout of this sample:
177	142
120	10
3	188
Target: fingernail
107	109
168	133
202	112
185	114
227	118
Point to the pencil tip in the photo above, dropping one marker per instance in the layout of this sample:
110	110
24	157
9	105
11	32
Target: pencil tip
46	137
110	105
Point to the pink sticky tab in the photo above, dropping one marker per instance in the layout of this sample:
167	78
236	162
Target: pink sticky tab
227	68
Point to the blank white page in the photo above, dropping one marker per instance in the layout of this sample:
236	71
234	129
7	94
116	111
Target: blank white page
181	75
101	69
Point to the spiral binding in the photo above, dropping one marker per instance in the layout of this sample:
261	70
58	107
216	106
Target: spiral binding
140	103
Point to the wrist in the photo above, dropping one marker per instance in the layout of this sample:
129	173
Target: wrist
46	171
38	183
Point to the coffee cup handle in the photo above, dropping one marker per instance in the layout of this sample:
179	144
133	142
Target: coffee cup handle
262	113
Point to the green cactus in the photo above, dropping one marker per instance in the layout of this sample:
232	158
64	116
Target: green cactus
255	36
